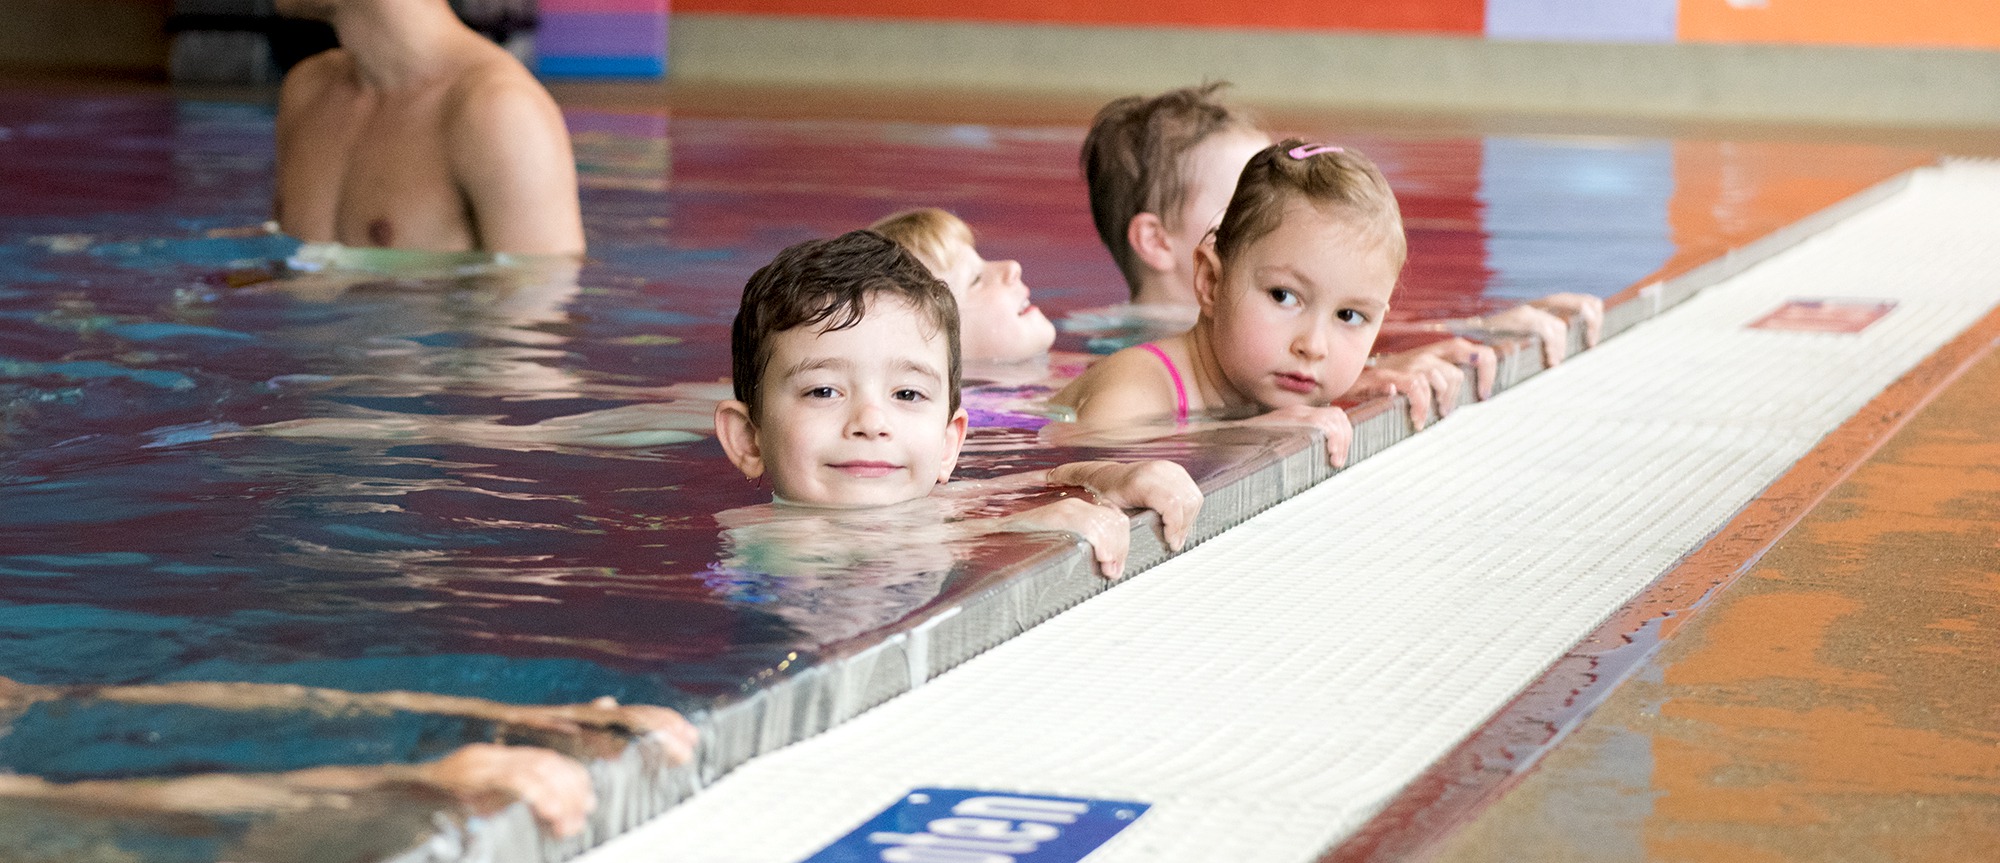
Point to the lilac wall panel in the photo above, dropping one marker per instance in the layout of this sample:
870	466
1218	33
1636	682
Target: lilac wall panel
599	7
601	35
1583	20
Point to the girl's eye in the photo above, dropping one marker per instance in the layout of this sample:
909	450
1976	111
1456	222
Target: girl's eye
909	395
1283	296
820	393
1351	316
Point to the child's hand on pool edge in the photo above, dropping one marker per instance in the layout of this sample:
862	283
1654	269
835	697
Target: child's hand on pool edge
1158	485
1105	528
489	776
1575	307
1331	421
1429	375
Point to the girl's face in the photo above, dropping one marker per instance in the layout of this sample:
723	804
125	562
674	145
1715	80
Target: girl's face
1294	315
997	322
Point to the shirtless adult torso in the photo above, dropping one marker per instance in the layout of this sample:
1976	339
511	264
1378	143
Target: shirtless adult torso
472	156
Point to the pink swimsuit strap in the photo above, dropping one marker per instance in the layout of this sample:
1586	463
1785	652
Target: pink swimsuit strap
1180	389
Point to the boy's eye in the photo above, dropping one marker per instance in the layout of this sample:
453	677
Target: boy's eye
1355	317
820	393
1283	296
909	395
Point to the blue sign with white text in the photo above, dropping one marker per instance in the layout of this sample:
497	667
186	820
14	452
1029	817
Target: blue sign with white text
949	825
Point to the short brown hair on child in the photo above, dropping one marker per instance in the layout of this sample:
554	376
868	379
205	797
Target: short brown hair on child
927	232
1133	160
1337	180
828	284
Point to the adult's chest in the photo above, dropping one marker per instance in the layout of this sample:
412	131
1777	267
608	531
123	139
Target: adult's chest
398	188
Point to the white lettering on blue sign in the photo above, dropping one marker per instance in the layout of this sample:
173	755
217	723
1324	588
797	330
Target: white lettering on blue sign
940	825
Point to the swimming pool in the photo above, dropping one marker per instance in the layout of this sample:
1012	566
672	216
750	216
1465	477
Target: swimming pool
220	466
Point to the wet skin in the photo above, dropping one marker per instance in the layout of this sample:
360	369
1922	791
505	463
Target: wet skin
861	418
421	134
997	320
482	776
1285	329
856	417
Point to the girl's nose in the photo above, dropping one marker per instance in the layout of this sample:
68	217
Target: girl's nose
1311	343
1010	271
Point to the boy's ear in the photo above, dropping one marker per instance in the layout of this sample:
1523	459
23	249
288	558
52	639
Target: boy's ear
1207	278
955	430
738	435
1147	235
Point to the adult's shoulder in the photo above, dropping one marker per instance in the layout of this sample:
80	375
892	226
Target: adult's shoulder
495	82
312	76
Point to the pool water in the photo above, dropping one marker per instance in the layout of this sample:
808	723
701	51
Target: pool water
227	457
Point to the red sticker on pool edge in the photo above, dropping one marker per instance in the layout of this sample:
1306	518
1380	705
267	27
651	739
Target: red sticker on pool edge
1825	315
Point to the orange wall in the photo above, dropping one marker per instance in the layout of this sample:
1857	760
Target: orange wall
1955	23
1433	16
1909	23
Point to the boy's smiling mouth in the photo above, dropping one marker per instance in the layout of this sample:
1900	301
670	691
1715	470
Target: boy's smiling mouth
865	469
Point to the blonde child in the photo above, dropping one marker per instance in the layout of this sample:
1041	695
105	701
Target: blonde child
1290	296
997	320
1161	170
846	366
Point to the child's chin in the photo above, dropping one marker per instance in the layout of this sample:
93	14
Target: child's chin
863	497
1279	399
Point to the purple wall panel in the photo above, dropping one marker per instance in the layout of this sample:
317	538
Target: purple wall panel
1583	20
601	35
629	7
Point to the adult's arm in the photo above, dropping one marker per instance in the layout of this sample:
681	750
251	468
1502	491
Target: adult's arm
511	154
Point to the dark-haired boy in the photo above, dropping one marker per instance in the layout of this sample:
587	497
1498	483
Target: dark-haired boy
846	376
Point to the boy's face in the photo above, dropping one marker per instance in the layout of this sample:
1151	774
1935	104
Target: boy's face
996	319
851	418
1297	311
1213	167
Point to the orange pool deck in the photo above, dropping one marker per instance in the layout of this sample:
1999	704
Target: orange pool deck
1824	691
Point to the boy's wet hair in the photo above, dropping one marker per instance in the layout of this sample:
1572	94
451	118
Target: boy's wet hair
926	232
1134	160
1339	181
829	284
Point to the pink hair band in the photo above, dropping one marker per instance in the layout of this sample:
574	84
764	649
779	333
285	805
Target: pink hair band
1303	152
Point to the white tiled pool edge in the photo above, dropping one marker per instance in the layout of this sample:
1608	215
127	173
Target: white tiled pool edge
1271	688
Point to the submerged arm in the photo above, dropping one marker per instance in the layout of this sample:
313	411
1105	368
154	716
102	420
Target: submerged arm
485	777
675	735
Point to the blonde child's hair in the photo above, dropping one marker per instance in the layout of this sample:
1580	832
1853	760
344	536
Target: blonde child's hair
927	232
1336	180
